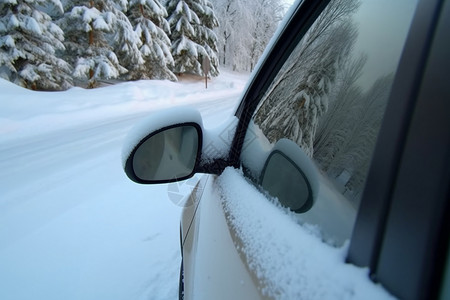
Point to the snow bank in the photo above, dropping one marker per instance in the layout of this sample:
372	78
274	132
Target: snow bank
26	113
291	260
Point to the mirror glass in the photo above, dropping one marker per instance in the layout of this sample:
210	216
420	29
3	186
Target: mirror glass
282	179
168	155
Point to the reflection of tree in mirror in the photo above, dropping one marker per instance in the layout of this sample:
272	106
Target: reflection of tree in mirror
309	73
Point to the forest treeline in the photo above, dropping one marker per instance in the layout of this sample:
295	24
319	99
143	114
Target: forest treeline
53	44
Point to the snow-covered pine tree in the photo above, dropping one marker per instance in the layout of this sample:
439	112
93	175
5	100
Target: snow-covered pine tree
86	25
205	36
124	40
148	18
191	23
29	40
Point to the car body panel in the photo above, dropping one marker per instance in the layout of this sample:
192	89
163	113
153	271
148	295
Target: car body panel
213	268
403	221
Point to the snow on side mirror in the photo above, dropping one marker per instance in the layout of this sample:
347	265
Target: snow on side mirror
164	148
169	154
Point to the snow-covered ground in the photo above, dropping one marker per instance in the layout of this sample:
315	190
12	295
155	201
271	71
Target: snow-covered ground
72	226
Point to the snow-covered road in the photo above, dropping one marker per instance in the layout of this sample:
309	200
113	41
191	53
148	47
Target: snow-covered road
72	226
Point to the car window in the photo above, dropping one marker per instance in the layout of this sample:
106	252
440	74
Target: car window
329	99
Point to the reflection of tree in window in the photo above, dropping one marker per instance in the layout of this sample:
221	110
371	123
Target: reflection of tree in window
347	133
299	95
317	100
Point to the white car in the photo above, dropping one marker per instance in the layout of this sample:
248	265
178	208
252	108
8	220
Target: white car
331	180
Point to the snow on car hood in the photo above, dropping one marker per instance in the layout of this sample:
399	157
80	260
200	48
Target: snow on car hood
290	259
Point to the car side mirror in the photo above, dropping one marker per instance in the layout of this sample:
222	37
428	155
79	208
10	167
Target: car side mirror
167	155
172	145
289	175
165	147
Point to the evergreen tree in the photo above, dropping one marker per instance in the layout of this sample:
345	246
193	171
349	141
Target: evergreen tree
148	18
191	23
86	25
124	40
29	40
205	34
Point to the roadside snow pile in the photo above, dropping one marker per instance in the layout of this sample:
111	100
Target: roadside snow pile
26	113
290	259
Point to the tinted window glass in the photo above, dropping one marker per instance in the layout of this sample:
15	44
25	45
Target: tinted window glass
329	98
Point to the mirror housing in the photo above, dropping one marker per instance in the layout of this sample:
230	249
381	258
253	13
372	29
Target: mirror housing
177	129
212	147
174	135
291	176
283	179
166	155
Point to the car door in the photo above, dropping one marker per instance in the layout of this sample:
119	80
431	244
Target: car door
329	98
326	91
329	112
345	135
312	106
